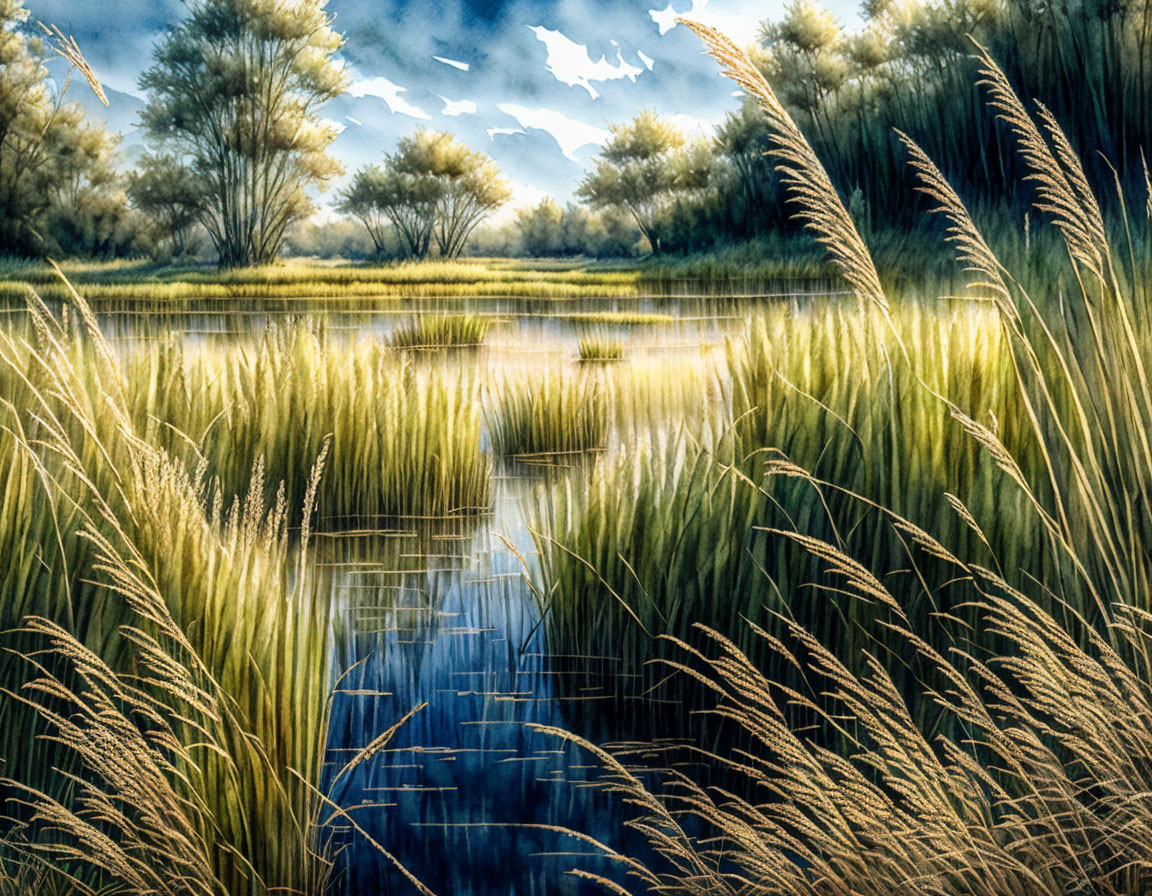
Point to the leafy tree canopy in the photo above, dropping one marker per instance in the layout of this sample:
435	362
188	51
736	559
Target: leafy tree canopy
234	93
431	188
166	191
646	165
57	171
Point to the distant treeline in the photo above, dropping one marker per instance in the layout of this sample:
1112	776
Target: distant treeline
545	230
220	181
908	68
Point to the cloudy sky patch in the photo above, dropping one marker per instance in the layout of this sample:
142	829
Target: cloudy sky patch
570	62
569	134
534	83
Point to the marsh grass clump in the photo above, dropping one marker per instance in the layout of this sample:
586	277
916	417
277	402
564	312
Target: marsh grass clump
644	546
540	417
1000	755
616	318
300	285
435	332
404	439
656	394
599	348
663	512
137	749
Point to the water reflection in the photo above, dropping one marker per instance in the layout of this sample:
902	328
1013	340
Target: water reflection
464	792
660	314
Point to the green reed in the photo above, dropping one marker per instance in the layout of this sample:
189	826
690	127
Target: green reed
174	656
685	530
405	439
541	416
434	332
599	348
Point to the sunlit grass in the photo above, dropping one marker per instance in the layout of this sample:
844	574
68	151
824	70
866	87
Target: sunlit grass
433	332
622	318
599	348
546	415
301	282
647	543
186	649
405	439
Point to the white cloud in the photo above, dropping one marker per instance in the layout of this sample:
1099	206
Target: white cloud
355	121
523	196
571	63
458	107
527	195
646	59
493	133
463	66
665	18
568	133
732	17
390	93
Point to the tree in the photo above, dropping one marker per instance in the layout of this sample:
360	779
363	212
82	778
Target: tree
330	238
234	92
541	229
50	156
380	195
642	168
805	58
432	187
166	191
471	189
744	139
360	200
88	213
27	110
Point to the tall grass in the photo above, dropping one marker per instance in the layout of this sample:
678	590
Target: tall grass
441	331
165	666
404	440
684	530
599	348
544	417
1040	784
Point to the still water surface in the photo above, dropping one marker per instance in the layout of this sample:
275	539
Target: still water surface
467	794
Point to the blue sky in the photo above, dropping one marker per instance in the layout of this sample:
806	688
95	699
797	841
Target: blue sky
534	84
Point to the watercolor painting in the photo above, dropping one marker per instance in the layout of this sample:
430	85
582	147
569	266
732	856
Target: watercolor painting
507	448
